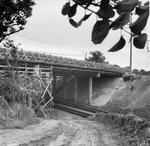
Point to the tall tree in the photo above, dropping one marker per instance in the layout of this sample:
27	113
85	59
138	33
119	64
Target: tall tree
13	16
96	56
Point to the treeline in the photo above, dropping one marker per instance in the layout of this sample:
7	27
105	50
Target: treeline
142	72
136	71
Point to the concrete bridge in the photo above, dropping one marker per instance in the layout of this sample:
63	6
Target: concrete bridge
72	79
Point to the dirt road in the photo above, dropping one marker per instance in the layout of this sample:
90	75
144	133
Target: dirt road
65	130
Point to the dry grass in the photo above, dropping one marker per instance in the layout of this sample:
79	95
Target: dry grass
139	100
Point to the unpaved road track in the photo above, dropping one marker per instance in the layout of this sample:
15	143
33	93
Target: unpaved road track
66	130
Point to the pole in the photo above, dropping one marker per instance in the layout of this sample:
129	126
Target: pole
131	53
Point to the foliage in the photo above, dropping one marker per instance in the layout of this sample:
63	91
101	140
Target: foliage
9	87
126	69
13	15
128	77
143	72
135	71
12	50
106	12
119	45
96	56
139	41
10	90
10	45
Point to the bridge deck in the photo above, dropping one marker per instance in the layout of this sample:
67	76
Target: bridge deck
63	64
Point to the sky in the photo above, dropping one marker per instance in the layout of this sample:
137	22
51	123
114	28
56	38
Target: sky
47	30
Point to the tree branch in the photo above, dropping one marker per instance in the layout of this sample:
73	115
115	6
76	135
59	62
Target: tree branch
9	34
85	7
126	31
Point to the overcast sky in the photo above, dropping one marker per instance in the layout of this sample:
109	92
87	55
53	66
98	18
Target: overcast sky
49	31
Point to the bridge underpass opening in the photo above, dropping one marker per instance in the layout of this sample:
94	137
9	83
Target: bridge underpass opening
76	89
85	90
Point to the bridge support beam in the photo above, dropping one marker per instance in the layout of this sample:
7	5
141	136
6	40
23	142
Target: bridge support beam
90	90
